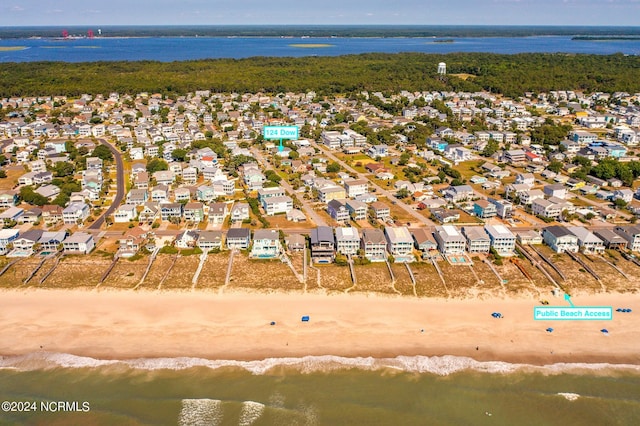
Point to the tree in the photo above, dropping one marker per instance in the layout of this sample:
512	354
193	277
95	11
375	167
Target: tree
62	169
555	166
28	195
491	148
333	167
620	203
179	154
404	158
3	174
402	193
156	165
103	152
272	176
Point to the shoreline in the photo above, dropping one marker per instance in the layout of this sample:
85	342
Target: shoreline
125	325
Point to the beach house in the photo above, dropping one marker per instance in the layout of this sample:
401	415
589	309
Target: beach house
210	240
560	239
399	243
347	241
357	209
238	238
450	240
611	239
423	240
171	211
75	213
478	240
125	213
322	245
589	243
277	205
239	212
374	245
218	212
266	244
7	236
631	234
193	212
503	241
355	187
380	210
78	243
337	209
484	209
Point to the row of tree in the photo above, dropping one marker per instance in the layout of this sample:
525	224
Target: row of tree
511	75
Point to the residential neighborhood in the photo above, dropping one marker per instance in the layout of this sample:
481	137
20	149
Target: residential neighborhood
452	176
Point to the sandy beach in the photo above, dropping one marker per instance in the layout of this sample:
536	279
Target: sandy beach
124	325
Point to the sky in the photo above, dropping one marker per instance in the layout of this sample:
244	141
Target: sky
336	12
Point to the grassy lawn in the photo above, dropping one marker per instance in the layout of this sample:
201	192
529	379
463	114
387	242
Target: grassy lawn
12	177
467	218
466	168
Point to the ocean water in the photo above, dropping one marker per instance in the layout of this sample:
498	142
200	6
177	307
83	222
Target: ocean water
168	49
317	391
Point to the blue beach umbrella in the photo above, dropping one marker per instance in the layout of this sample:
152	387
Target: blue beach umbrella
604	330
550	330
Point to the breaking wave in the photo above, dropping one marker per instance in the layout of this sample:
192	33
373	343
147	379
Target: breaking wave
569	396
438	365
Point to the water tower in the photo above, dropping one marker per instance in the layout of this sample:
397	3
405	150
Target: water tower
442	68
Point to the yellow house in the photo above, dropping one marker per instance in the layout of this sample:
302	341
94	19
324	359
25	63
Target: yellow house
331	193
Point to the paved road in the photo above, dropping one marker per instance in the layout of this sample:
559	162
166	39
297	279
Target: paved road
306	206
120	188
379	189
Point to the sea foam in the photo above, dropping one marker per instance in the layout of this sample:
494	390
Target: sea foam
200	412
438	365
569	396
251	411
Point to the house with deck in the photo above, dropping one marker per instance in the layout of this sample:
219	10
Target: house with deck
478	240
238	238
502	239
266	244
611	239
210	240
171	211
239	212
374	244
560	239
79	243
424	241
450	240
337	209
75	213
399	243
125	213
218	212
322	245
347	240
630	233
589	242
193	212
380	210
